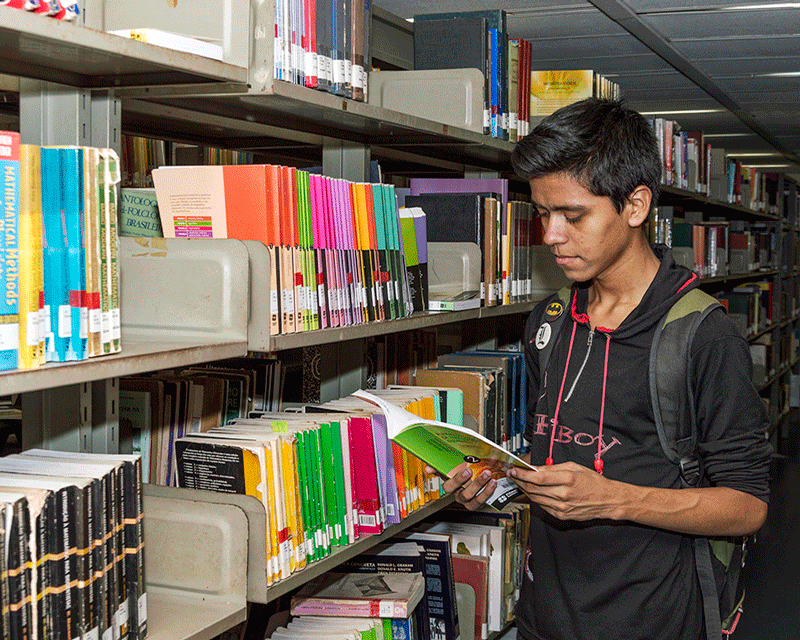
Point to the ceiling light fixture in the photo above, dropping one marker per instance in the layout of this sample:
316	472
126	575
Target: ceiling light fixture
763	7
764	154
781	74
727	135
680	112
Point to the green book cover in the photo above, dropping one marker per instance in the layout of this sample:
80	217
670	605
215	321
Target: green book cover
138	213
338	465
319	493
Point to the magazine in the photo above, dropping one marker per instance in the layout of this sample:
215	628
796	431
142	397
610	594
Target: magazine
444	446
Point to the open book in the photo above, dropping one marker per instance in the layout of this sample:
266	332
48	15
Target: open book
445	446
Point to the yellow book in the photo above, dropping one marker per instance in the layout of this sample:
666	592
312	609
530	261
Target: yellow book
551	90
432	480
290	502
31	283
416	467
273	553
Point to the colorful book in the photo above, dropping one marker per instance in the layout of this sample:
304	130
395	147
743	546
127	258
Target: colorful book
443	447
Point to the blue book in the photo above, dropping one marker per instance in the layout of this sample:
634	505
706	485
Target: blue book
9	251
73	212
57	312
494	98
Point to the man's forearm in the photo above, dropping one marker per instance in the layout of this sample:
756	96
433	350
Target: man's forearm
707	511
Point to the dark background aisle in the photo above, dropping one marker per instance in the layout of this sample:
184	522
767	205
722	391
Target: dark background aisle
772	604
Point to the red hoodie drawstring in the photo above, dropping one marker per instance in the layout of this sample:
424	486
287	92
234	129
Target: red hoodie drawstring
598	462
549	460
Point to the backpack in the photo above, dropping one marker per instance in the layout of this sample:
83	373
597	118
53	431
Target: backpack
719	561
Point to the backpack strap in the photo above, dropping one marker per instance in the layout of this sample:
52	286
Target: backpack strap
670	381
562	297
672	398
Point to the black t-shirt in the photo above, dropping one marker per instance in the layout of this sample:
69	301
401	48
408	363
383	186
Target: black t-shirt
603	579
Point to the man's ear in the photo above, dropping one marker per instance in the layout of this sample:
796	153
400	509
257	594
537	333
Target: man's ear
638	205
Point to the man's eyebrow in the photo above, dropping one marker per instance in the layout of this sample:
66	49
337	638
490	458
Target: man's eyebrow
577	208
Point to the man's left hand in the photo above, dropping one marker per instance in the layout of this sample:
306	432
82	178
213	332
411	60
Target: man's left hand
570	491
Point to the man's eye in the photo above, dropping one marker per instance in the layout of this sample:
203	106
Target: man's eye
574	220
541	214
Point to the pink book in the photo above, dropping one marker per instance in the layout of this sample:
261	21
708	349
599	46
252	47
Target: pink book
365	475
362	595
310	42
345	314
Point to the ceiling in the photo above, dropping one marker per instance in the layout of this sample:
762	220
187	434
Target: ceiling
672	56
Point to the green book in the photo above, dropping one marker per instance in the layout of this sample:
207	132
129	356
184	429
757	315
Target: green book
338	465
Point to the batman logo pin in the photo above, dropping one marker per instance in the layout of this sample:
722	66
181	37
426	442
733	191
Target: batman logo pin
553	310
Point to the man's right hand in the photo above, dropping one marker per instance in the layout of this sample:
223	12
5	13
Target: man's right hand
469	491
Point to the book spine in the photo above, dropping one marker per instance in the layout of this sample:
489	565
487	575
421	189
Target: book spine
9	251
31	347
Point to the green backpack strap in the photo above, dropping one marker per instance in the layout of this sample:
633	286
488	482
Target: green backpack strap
562	297
672	398
670	381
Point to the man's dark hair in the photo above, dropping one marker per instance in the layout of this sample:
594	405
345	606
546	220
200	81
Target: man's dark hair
606	146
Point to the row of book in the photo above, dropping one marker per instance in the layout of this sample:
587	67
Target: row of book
515	90
324	45
458	578
59	247
324	479
716	247
72	547
330	473
156	410
141	155
59	9
335	251
691	163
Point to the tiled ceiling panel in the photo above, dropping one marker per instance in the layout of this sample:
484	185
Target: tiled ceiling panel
739	47
723	23
745	66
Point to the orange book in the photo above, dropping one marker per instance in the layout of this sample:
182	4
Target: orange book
273	204
212	202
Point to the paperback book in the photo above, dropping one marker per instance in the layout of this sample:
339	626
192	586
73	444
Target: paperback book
445	446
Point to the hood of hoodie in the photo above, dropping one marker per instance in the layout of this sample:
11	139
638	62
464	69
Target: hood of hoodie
671	282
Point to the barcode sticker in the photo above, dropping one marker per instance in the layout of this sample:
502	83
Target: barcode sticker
367	520
64	321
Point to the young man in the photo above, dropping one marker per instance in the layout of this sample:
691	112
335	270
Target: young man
610	552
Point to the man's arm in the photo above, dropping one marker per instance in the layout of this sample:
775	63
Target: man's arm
572	492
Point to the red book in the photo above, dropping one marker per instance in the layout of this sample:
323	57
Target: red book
365	475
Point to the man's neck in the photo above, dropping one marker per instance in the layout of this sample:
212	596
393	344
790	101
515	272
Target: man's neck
617	292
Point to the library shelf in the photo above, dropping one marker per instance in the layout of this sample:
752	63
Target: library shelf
176	617
750	275
195	568
291	108
422	320
257	588
671	195
786	368
139	354
39	47
359	546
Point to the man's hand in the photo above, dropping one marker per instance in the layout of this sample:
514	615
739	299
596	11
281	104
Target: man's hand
569	491
469	491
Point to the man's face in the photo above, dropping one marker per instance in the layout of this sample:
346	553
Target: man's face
584	231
